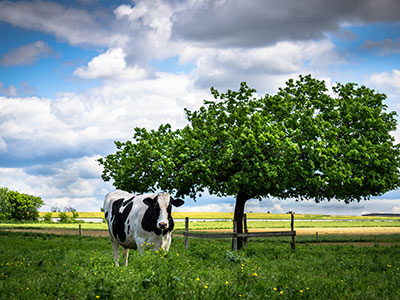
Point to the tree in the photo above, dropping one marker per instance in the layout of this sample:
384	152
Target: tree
16	206
300	143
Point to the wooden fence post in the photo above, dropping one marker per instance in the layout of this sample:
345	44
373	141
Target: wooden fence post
292	229
234	237
245	229
316	237
80	230
186	231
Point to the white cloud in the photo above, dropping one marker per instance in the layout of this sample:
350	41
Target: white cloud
111	65
26	54
265	68
386	81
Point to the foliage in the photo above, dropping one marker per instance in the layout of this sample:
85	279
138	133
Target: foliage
47	217
16	206
300	143
37	266
69	215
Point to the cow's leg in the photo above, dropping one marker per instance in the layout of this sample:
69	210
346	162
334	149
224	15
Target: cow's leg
115	247
126	255
166	242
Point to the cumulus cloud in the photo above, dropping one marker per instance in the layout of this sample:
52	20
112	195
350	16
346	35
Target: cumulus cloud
73	183
111	65
35	129
76	26
265	68
26	54
388	82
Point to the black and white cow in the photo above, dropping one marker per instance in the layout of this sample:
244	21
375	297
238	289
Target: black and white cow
139	221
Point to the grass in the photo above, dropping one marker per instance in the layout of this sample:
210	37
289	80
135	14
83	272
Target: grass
41	266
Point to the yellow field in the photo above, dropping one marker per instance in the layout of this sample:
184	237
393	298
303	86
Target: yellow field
226	215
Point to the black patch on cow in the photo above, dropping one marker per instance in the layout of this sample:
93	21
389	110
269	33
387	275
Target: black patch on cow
119	218
106	214
151	215
127	201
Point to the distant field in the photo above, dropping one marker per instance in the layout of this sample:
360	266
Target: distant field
226	215
209	225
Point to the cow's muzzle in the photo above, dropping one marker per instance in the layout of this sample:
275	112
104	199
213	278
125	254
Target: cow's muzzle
162	225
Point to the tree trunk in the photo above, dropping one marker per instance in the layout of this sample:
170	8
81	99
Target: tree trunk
241	199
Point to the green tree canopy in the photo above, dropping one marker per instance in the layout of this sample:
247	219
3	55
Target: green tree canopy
16	206
301	143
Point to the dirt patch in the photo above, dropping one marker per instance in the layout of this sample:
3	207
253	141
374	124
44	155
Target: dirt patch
62	231
325	231
299	231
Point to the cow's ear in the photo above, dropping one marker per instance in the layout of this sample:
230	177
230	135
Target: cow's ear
177	202
149	201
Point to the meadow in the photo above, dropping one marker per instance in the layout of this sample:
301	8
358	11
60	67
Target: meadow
45	266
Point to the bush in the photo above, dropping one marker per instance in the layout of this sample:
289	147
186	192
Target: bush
48	217
16	206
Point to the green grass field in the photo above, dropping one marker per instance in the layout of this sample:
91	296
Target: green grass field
43	266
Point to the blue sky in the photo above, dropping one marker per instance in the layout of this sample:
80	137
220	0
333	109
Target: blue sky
77	75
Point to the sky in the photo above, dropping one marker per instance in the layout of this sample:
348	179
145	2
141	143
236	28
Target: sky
77	75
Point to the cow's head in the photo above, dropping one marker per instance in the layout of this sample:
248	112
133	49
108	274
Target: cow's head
158	217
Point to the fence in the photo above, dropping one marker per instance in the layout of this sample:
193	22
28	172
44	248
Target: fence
235	235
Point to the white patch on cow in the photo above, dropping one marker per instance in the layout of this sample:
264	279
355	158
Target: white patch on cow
163	202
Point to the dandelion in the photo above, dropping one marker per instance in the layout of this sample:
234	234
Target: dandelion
389	266
206	286
226	282
275	289
255	274
301	291
281	292
97	296
307	288
27	288
198	279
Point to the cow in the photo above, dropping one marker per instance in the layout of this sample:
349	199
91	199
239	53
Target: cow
139	221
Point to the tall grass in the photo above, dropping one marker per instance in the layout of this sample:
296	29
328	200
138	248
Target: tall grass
36	266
